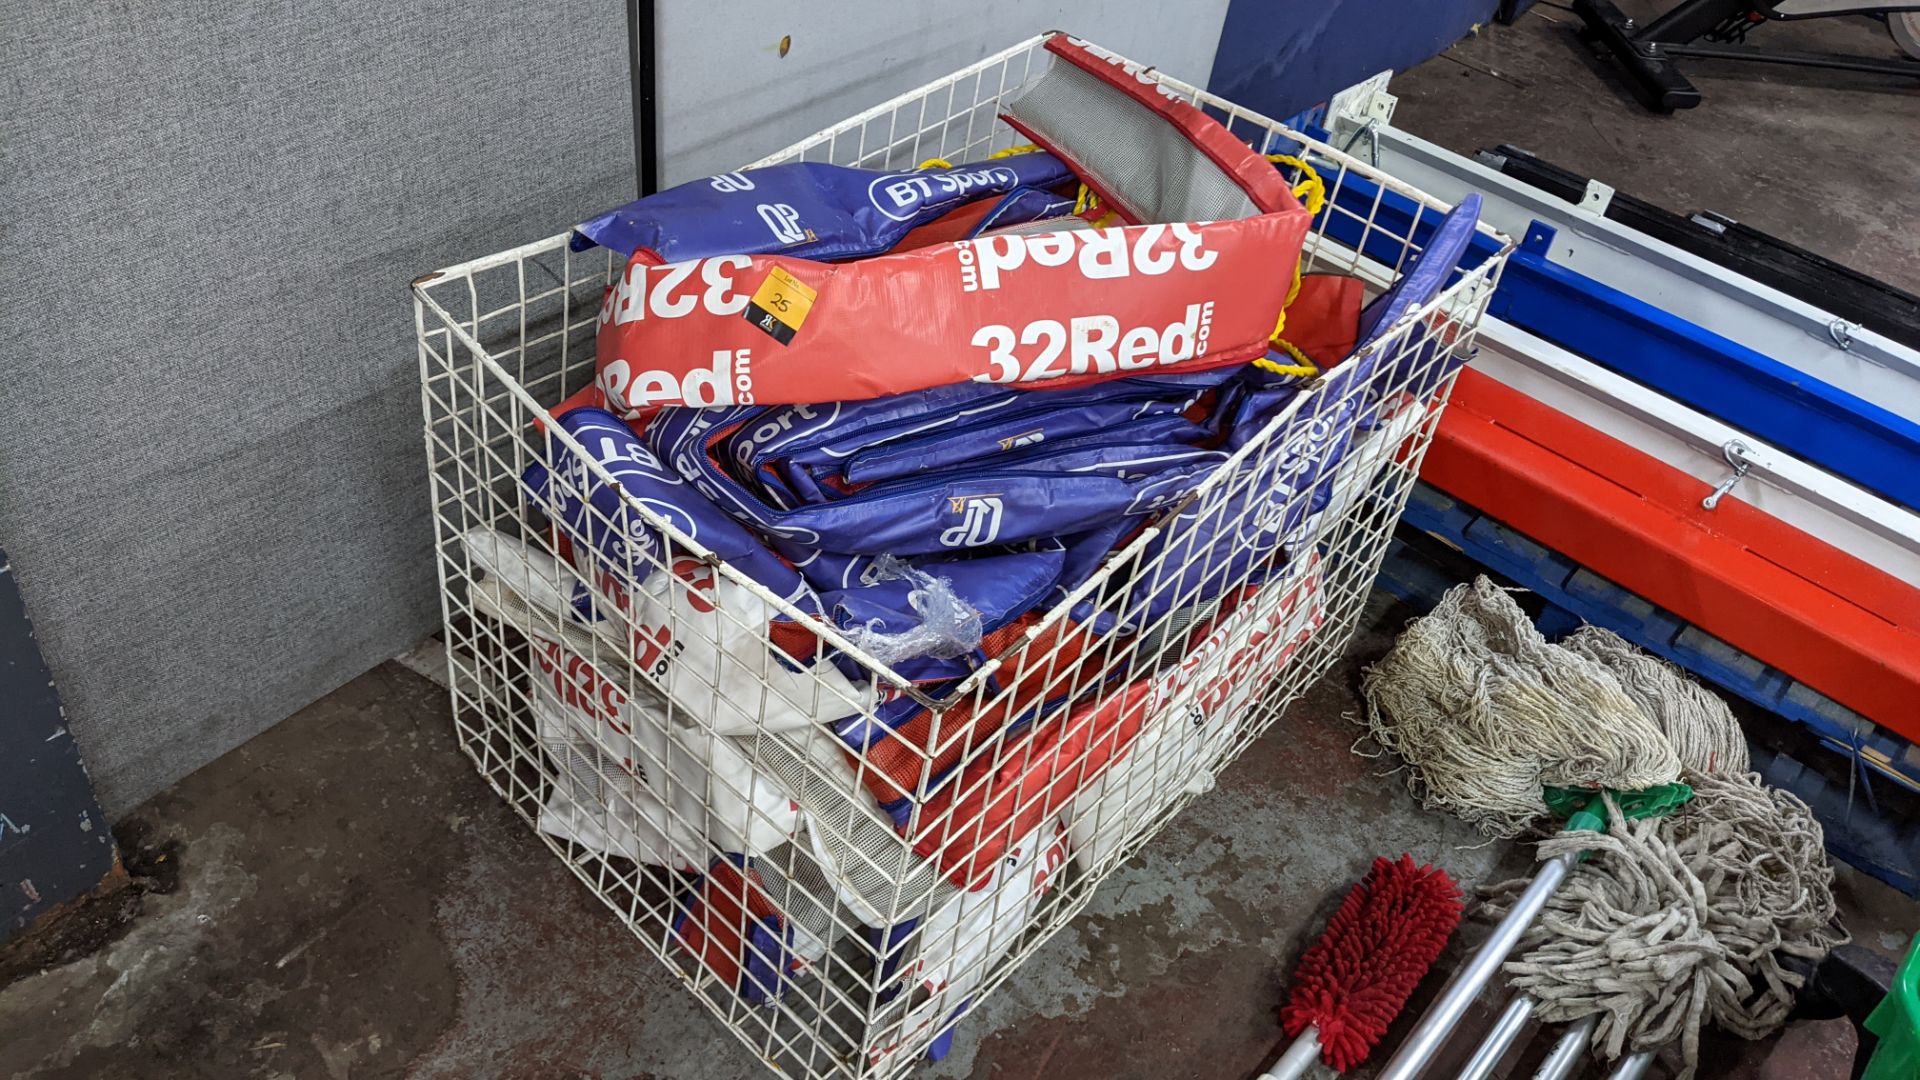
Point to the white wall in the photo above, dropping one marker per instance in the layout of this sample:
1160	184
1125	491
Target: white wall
727	97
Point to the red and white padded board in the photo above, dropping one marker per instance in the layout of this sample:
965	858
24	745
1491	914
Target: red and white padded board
1054	309
1846	628
1148	154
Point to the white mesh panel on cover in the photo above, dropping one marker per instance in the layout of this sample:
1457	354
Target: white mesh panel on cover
1146	165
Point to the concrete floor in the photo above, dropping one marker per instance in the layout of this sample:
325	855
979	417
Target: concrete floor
343	897
1827	160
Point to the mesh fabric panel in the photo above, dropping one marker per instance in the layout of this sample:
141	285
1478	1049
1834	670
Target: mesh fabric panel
1142	162
1044	225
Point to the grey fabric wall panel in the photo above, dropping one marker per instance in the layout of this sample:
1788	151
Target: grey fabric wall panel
211	479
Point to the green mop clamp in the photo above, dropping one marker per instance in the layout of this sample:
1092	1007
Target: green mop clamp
1568	803
1583	810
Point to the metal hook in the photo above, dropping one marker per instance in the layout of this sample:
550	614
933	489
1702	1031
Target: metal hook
1372	131
1736	453
1841	331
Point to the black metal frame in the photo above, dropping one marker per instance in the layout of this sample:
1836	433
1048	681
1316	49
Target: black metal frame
54	843
1850	981
1510	11
1858	298
1648	54
644	79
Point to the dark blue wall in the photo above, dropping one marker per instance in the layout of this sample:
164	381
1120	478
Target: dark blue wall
54	845
1281	56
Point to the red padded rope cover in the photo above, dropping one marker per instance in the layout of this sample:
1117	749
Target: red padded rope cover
1052	309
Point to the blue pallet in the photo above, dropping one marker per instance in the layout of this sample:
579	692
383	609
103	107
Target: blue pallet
1856	830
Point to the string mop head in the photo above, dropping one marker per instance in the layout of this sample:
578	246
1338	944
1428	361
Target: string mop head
1486	713
1673	921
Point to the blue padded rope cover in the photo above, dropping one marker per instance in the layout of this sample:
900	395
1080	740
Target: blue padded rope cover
1034	495
812	210
1218	543
641	475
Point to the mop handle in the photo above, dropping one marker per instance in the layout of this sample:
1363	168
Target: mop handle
1499	1040
1411	1060
1505	1030
1298	1059
1633	1066
1564	1058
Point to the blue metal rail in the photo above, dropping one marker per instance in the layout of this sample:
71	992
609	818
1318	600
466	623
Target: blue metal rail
1844	434
1835	430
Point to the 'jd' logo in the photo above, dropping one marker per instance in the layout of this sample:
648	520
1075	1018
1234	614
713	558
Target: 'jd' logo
784	222
980	526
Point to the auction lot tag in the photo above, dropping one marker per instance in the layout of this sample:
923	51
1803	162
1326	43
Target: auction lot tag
780	305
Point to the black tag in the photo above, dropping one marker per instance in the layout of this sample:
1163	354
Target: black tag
764	319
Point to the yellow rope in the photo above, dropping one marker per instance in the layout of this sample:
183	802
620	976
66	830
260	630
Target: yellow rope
1306	368
1311	190
1312	193
943	163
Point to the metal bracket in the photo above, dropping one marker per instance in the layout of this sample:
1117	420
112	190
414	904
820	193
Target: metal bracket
1596	198
1363	108
1539	238
1736	453
1372	131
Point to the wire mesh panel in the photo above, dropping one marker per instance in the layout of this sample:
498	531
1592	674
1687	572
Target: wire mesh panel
838	858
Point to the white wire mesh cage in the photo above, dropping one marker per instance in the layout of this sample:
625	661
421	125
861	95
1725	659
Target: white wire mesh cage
837	861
